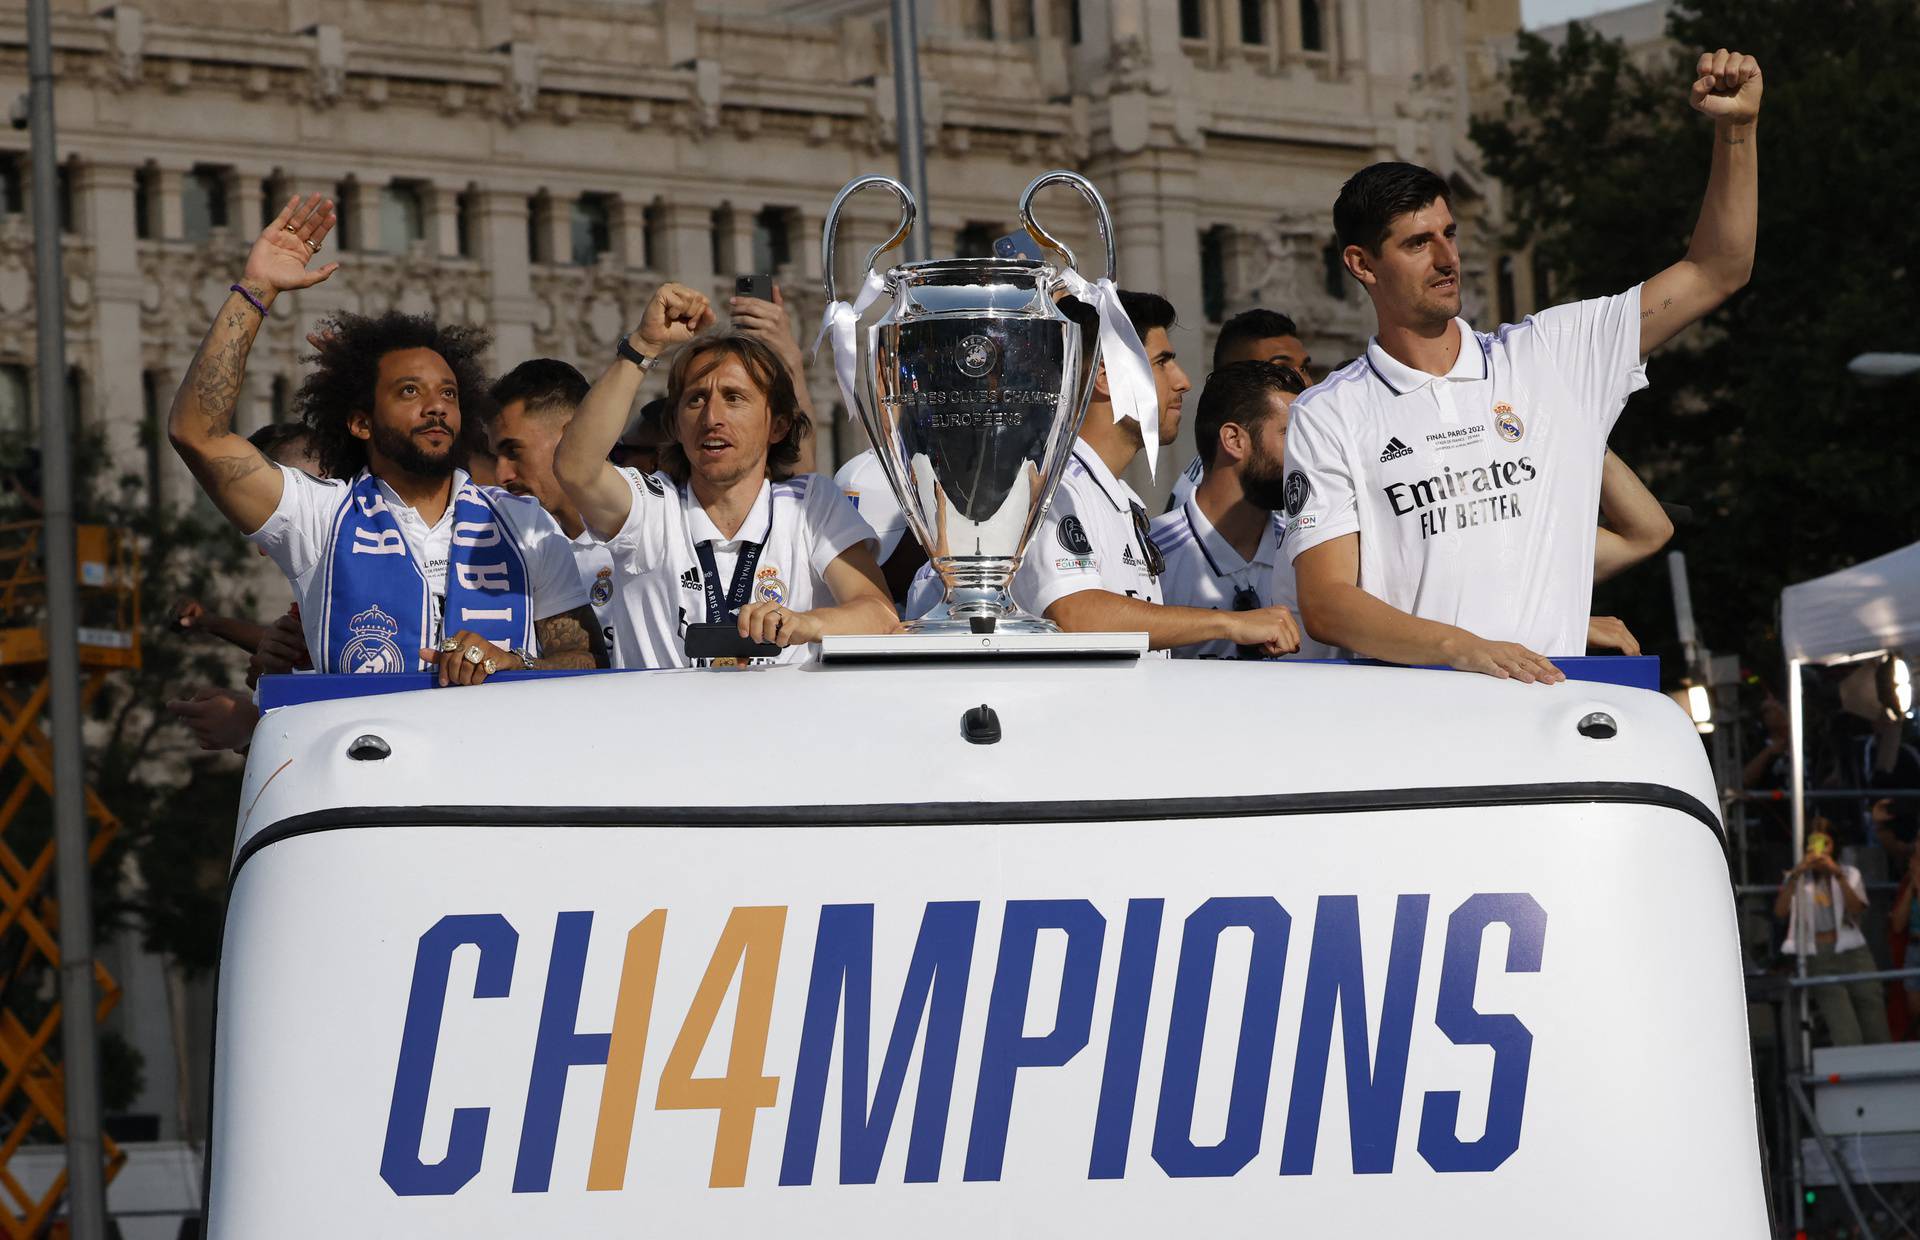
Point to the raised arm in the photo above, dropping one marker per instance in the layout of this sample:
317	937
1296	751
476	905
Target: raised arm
674	315
1337	611
1720	255
242	483
1637	526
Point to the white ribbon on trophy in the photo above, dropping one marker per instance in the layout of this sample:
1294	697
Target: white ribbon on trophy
838	324
1129	370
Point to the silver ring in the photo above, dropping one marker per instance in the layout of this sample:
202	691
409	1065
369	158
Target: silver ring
450	645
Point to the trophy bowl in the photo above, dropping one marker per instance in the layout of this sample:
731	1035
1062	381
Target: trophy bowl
971	388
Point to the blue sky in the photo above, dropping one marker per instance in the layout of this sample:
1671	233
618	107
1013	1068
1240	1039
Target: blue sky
1547	12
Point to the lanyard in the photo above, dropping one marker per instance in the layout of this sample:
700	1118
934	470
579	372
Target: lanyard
721	610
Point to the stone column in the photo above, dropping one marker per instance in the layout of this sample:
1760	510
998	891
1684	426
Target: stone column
553	219
166	214
362	212
443	219
104	209
806	247
246	195
687	230
629	224
736	241
501	232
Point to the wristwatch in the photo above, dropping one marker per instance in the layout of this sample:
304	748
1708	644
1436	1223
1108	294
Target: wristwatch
645	363
526	660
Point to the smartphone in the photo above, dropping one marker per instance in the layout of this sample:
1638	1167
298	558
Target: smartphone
723	641
760	286
1018	245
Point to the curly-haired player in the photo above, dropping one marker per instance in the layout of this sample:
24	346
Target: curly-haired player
398	560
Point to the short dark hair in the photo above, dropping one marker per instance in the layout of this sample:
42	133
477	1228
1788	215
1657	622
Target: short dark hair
1378	194
1146	311
543	384
1258	323
277	437
1240	392
697	359
347	370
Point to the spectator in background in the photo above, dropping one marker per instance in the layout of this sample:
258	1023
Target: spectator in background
1256	335
1822	900
290	444
1222	545
639	445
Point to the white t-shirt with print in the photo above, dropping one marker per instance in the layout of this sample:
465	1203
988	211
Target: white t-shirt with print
1204	570
295	538
802	526
1475	493
863	481
1087	540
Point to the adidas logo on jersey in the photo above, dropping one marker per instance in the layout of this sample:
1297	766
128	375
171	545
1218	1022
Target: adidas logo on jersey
690	579
1394	450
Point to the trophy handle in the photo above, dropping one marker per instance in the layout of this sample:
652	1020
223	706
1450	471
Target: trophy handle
1094	200
908	210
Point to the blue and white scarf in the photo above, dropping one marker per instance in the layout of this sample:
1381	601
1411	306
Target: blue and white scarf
376	609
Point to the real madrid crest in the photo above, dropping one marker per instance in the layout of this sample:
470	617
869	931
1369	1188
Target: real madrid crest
976	356
602	588
768	588
373	647
1507	423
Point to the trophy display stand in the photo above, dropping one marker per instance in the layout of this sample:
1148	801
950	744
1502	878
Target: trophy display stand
984	644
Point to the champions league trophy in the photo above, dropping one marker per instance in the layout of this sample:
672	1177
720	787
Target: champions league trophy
971	388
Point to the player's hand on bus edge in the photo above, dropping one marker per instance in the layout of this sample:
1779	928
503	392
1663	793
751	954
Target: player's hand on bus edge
1270	628
1611	633
458	668
1503	661
779	625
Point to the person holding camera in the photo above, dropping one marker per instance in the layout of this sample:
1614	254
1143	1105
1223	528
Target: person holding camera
1821	901
726	535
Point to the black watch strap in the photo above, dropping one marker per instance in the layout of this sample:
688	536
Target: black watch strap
623	349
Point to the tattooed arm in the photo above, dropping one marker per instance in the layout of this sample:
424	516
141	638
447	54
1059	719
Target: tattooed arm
243	484
1720	255
569	640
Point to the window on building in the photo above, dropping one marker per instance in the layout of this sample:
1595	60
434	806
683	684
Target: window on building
1020	19
772	239
203	202
13	185
975	240
1213	273
1253	22
716	238
1503	289
464	205
1066	16
75	395
281	401
536	244
651	246
1313	34
63	197
403	216
146	188
273	196
1334	271
592	229
980	19
17	422
342	236
1193	19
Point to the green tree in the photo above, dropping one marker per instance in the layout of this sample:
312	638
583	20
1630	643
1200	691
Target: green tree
1792	469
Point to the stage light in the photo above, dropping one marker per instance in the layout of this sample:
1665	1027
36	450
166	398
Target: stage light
1700	707
1897	686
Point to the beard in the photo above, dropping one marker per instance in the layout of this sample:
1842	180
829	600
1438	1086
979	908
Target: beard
1263	480
406	452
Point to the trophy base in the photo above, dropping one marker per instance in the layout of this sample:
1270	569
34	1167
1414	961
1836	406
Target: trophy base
972	621
967	647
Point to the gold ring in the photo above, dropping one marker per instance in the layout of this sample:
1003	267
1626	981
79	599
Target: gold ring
292	229
488	667
450	645
472	655
312	246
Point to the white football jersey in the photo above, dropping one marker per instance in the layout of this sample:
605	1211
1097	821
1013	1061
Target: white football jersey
1092	537
800	526
595	563
1203	570
1474	493
296	537
1185	482
864	481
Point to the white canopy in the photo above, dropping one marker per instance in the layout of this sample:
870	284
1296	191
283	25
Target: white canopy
1871	606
